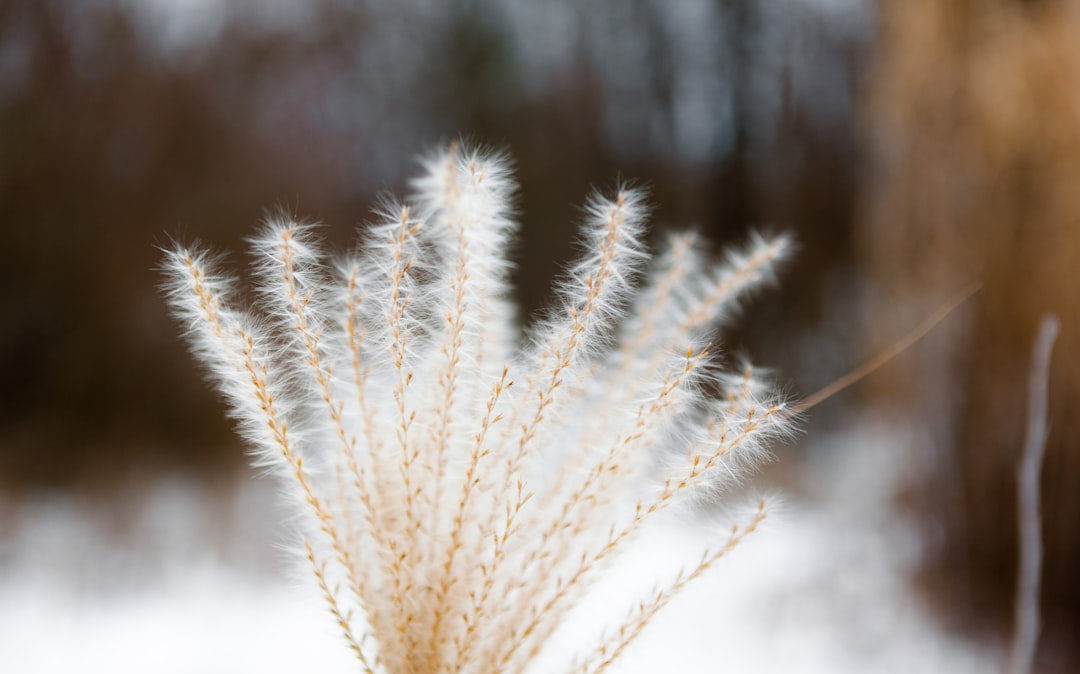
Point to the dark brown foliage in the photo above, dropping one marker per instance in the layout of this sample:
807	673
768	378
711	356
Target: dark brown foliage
113	142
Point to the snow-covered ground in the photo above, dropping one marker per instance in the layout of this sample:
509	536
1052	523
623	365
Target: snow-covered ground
196	581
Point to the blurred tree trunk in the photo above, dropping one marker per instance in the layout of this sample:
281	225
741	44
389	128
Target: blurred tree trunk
973	110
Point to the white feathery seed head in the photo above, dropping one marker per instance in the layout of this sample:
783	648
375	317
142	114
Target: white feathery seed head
461	491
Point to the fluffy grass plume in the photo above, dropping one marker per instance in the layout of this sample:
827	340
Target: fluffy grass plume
463	484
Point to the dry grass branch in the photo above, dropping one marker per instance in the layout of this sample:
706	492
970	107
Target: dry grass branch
455	515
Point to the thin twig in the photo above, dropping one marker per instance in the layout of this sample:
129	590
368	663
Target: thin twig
898	347
1026	626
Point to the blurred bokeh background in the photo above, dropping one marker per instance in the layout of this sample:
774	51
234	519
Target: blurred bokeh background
911	146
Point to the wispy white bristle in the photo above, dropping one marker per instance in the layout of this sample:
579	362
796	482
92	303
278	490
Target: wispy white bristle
462	491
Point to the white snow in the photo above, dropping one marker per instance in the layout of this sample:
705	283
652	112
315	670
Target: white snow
201	584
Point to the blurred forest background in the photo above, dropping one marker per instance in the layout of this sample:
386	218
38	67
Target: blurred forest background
911	146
